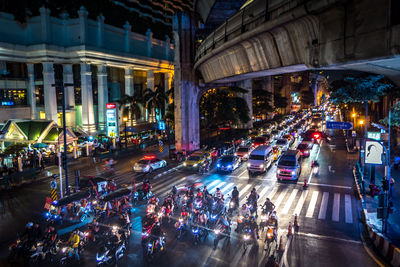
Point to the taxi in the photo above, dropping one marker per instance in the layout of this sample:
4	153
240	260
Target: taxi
148	164
197	159
277	151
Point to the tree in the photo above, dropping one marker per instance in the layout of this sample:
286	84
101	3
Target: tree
224	106
155	100
359	89
280	101
262	102
395	116
130	105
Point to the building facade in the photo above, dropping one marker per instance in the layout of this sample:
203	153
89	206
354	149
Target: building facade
97	63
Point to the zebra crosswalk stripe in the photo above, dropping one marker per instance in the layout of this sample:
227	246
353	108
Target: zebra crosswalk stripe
263	192
221	184
223	190
243	191
324	206
280	198
336	206
348	213
300	203
213	183
289	202
311	206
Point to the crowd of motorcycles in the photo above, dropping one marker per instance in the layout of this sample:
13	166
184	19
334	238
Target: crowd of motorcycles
195	213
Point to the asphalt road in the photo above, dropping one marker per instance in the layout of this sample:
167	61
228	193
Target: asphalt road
328	233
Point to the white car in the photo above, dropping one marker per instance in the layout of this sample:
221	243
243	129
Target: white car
149	164
283	144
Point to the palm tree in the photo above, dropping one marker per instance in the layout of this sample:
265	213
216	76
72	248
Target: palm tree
130	106
155	100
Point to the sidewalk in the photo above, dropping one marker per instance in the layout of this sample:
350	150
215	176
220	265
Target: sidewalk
371	205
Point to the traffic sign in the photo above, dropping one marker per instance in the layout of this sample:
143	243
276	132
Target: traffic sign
161	149
373	152
53	194
343	125
160	143
53	184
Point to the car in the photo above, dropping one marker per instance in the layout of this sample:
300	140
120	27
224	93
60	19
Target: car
305	148
228	163
243	152
274	134
197	159
260	159
148	164
260	140
289	166
282	143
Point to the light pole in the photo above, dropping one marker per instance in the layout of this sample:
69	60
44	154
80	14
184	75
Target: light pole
125	119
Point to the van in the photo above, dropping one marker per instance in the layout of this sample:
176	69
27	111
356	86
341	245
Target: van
260	159
289	166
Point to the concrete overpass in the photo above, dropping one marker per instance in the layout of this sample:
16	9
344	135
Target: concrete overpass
270	37
281	36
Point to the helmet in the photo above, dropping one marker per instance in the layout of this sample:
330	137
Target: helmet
254	189
244	206
218	189
234	188
267	199
205	187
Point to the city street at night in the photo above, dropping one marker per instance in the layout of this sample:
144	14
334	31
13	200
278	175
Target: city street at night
201	133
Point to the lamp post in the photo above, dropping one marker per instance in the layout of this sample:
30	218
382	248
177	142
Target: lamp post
125	119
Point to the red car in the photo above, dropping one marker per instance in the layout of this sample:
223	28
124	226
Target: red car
260	140
305	148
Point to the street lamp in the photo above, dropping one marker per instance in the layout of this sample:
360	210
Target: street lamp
125	119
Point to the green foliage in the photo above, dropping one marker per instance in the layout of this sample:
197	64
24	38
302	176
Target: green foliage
14	149
262	102
223	106
280	101
155	100
395	116
359	89
130	105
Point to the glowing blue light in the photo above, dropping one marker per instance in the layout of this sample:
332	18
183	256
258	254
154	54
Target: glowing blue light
229	166
149	245
218	165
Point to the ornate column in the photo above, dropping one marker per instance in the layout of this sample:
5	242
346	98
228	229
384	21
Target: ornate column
102	95
88	122
129	81
50	100
31	94
83	14
45	24
100	30
149	35
68	78
150	85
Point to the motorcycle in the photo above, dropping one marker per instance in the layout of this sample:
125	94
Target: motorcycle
198	233
36	254
180	227
248	237
251	206
153	247
221	232
232	206
264	219
270	237
68	256
110	253
140	195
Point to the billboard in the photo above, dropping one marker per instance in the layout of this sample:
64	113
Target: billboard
112	125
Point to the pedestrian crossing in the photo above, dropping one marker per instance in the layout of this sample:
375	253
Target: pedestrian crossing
313	203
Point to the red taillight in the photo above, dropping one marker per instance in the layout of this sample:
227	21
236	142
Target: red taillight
317	136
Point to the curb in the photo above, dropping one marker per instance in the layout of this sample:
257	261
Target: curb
386	249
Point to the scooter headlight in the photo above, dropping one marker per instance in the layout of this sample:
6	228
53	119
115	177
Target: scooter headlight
217	231
100	257
263	217
246	237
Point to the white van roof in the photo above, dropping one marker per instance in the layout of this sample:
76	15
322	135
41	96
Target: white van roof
261	150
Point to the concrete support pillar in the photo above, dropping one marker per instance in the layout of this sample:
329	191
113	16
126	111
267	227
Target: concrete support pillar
149	35
83	14
50	100
45	24
248	85
127	28
31	95
187	121
168	83
167	46
269	86
129	81
150	85
88	122
100	30
68	78
102	95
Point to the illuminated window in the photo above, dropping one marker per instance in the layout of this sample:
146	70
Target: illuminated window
42	115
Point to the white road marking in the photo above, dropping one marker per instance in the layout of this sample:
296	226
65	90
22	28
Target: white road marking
244	190
223	190
348	213
243	172
272	193
300	203
289	202
324	206
221	184
263	192
336	206
280	198
213	183
328	237
311	206
328	185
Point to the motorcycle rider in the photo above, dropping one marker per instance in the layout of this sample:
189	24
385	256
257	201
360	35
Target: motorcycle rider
73	241
235	196
205	191
224	229
146	187
219	195
253	226
253	199
268	206
273	219
244	213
